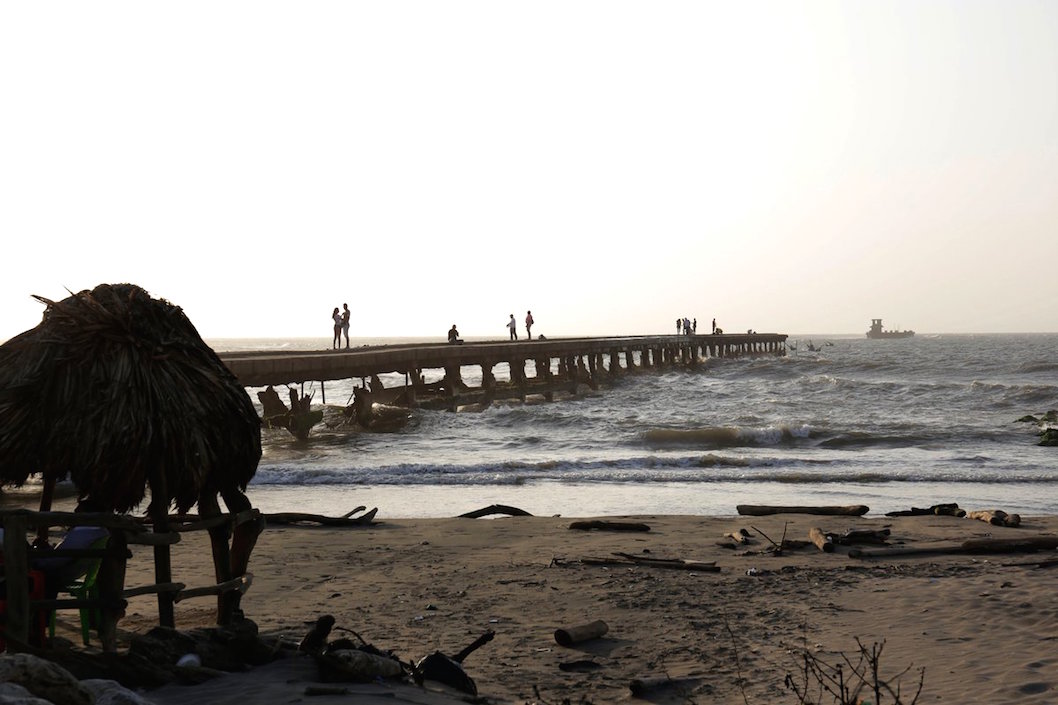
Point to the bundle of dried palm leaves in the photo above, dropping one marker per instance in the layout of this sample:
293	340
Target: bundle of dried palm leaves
117	391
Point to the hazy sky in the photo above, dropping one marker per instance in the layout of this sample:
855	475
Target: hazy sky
783	166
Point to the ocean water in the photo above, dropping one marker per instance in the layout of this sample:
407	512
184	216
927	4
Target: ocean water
887	423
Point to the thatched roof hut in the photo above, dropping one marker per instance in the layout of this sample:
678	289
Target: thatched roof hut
117	391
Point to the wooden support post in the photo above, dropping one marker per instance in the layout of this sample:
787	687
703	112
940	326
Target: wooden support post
16	578
219	534
244	538
111	583
163	567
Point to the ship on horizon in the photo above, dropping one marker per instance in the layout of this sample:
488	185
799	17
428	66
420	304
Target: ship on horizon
877	332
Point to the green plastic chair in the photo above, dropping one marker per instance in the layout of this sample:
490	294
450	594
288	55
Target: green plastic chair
84	589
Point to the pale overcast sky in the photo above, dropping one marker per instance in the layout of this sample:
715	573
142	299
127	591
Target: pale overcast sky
797	167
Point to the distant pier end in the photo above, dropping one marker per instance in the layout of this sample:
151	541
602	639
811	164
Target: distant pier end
559	365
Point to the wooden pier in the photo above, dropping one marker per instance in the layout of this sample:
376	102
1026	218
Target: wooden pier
559	365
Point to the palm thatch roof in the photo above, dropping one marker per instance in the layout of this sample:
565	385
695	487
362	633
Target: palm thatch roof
117	391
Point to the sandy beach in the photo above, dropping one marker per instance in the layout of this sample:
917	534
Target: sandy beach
981	625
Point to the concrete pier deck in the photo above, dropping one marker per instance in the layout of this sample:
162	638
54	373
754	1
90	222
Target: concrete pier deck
256	369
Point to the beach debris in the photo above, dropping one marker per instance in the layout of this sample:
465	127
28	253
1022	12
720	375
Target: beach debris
855	536
1025	544
826	541
641	687
740	536
347	519
765	510
600	525
298	419
568	636
449	670
357	665
947	509
627	559
343	661
821	540
495	509
579	666
996	517
316	639
776	549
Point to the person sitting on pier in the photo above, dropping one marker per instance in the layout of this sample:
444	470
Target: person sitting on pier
453	336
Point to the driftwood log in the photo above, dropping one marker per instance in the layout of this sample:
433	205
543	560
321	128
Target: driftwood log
1025	544
854	536
821	540
758	510
677	563
740	536
608	525
947	509
643	687
495	509
582	632
996	517
365	519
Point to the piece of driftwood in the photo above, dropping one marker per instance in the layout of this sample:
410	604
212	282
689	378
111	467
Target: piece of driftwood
644	686
601	525
897	551
854	536
946	509
449	670
495	509
821	540
1039	542
1025	544
678	563
740	536
568	636
758	510
365	519
996	517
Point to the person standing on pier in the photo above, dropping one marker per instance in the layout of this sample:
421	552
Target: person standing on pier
714	325
694	327
529	325
337	316
513	325
345	324
679	325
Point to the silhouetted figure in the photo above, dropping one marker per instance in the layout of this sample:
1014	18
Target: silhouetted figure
529	325
513	325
